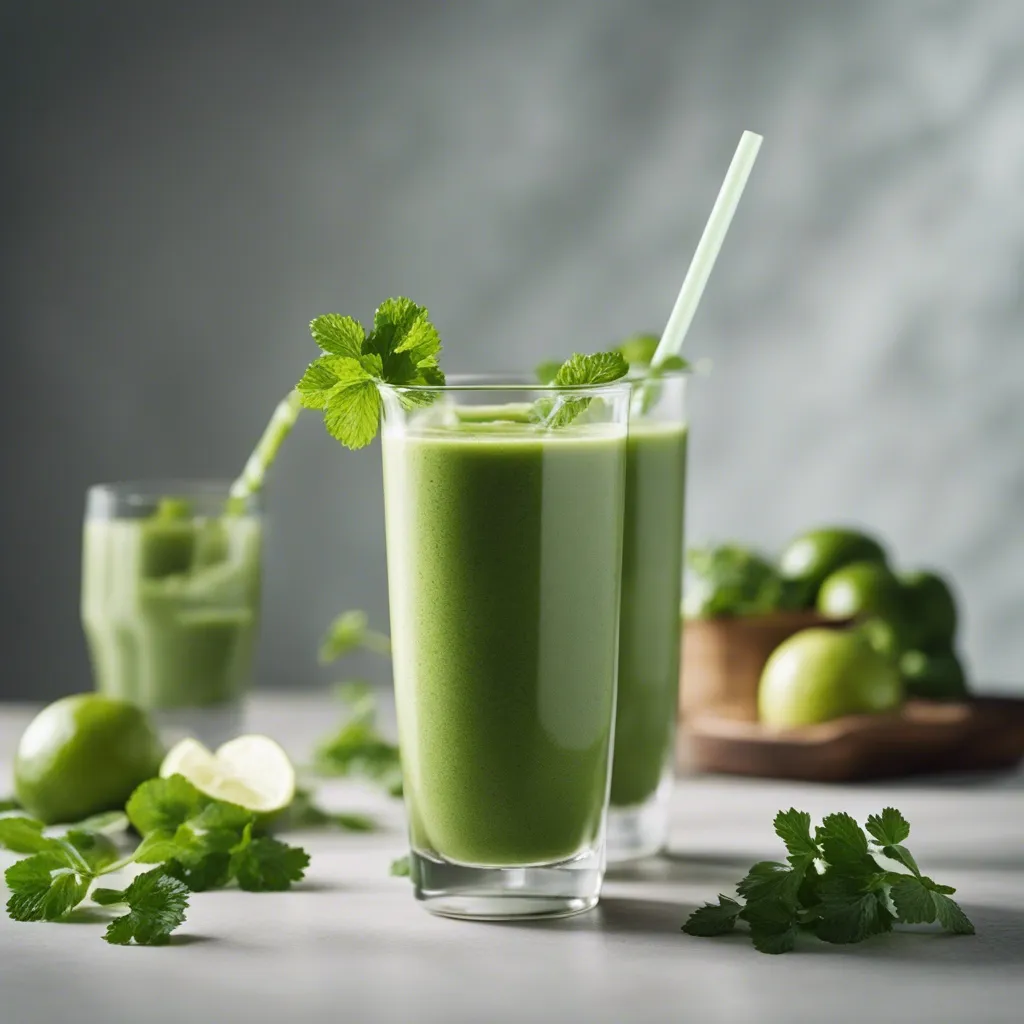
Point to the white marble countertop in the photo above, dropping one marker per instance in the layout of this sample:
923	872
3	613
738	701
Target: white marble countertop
351	944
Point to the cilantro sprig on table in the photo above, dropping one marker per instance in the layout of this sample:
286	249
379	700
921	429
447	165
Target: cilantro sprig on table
197	843
832	886
402	348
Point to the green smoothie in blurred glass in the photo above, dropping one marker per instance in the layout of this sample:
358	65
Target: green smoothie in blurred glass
170	599
649	630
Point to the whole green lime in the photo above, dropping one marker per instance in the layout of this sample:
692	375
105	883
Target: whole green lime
820	674
82	755
812	556
883	636
933	676
865	590
930	610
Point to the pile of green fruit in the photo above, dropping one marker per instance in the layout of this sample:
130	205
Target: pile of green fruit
902	642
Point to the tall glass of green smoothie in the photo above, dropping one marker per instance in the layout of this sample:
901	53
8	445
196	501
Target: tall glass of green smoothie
649	631
170	600
504	508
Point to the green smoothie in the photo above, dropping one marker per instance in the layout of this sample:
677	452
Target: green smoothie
504	562
170	606
652	570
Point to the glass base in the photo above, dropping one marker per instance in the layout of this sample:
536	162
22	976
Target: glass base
212	725
503	894
639	831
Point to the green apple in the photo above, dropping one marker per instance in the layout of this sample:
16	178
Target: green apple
930	610
812	556
820	674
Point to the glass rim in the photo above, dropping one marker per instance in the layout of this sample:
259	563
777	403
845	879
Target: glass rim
163	487
499	382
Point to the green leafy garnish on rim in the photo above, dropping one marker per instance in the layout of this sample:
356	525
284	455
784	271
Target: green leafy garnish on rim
577	371
402	349
832	886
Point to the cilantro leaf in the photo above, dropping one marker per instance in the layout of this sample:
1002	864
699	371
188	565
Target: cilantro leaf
164	804
156	906
769	880
316	383
22	834
44	887
774	924
348	632
793	827
844	844
912	899
852	908
888	828
713	918
108	823
352	406
201	872
950	916
267	865
338	335
400	867
358	749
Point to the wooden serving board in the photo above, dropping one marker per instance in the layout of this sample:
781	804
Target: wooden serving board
983	734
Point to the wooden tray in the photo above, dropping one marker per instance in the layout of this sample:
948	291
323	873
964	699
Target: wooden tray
983	734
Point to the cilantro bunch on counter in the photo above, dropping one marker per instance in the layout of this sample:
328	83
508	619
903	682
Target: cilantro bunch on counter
195	843
832	886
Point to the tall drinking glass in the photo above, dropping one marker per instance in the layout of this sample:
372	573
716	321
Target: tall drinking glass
504	543
652	570
170	600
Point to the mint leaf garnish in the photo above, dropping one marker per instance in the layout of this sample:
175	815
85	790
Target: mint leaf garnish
578	371
156	906
833	887
713	918
402	349
45	887
338	335
347	633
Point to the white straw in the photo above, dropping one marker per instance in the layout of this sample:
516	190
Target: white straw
704	257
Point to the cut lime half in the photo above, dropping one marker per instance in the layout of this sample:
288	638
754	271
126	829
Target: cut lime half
251	771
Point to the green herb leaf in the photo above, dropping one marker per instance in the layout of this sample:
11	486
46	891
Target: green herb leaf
358	749
588	371
44	887
338	335
889	828
845	845
638	349
267	865
713	918
400	867
108	897
852	908
769	880
729	580
164	804
22	834
156	906
8	803
793	827
546	371
352	408
348	632
109	823
317	383
773	924
912	899
950	916
201	873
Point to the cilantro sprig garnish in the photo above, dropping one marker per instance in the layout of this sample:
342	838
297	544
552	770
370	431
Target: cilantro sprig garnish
402	349
195	843
578	371
832	886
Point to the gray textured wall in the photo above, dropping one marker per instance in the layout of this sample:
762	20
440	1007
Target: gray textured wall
182	185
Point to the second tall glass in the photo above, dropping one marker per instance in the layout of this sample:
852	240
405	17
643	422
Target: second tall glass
504	543
645	725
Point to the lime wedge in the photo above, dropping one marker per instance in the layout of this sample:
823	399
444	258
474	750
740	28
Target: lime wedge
251	771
